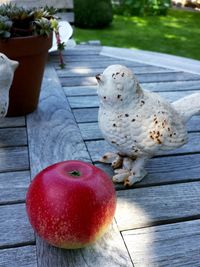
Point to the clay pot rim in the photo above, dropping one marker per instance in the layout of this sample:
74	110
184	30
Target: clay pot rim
16	47
26	37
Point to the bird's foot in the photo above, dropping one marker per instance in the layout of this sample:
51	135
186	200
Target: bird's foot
120	175
127	170
129	177
130	173
115	159
135	177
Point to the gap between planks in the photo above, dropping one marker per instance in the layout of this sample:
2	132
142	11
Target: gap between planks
143	207
92	101
155	87
23	256
175	244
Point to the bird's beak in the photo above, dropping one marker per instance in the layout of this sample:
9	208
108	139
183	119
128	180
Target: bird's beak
98	77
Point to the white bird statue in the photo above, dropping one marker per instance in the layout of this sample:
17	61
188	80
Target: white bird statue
138	123
7	69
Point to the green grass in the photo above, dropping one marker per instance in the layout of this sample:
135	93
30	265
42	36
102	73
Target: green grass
177	33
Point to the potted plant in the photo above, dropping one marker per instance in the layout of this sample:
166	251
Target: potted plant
26	36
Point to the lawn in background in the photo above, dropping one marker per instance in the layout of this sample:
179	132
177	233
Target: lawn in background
177	33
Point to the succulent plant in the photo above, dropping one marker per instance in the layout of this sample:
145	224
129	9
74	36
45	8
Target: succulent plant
20	22
5	27
42	26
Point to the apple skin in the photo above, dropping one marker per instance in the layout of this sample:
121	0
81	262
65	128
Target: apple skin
71	211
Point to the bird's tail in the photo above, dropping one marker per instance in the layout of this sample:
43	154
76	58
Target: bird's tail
188	106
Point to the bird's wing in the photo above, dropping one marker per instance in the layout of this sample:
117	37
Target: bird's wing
163	129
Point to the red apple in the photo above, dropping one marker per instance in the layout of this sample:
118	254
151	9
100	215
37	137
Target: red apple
71	204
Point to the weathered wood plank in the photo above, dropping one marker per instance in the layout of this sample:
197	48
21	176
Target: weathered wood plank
12	122
98	148
92	64
14	159
13	186
167	245
165	170
91	131
84	58
103	253
83	102
192	146
156	87
63	143
18	257
78	72
149	206
13	137
89	115
80	50
86	114
92	101
80	90
172	86
14	226
143	78
47	146
85	48
173	96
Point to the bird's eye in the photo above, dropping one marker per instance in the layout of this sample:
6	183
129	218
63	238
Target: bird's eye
1	57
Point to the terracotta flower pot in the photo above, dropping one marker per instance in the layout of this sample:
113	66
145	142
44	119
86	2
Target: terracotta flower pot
31	53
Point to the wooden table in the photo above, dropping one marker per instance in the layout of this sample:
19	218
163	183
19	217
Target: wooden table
157	222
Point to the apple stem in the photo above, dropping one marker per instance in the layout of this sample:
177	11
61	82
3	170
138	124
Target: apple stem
75	173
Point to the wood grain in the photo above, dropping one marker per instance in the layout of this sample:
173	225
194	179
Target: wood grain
14	159
14	226
59	136
92	101
13	186
156	87
80	50
109	251
80	72
143	78
80	90
13	137
167	245
18	257
90	115
172	86
12	122
149	206
86	63
91	131
83	102
60	139
86	114
85	58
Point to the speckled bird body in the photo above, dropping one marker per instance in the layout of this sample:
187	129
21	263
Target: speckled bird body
7	69
138	123
144	132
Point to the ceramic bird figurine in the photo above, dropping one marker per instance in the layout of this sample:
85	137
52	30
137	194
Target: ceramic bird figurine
138	123
7	69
